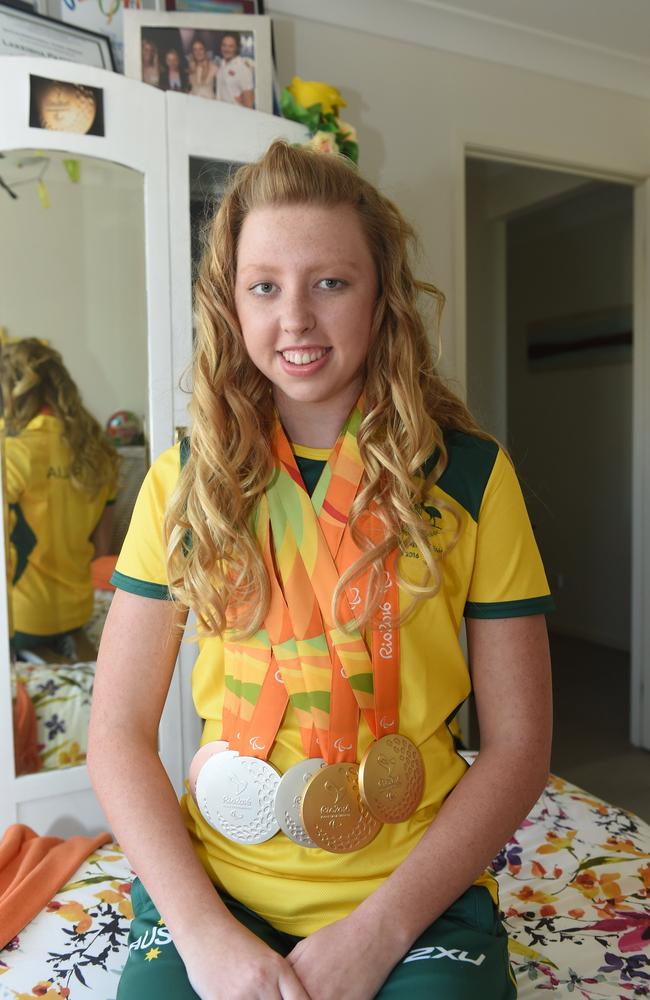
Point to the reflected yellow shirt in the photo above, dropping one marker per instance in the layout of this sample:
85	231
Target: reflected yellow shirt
50	527
493	571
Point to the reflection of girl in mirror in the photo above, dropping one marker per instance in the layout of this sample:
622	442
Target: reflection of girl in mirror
61	481
325	451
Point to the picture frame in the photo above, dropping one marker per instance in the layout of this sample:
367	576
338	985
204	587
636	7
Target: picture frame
580	340
24	32
217	6
224	57
104	17
61	106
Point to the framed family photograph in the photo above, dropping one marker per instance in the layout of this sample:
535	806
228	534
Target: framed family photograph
221	57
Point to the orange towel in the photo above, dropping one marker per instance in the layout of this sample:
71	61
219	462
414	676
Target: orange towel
26	753
33	869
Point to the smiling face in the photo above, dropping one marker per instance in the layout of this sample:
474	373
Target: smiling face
148	51
199	52
228	47
305	293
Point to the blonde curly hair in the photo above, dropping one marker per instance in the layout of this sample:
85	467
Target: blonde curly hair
407	406
33	375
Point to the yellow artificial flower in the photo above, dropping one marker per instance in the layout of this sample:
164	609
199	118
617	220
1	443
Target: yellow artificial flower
308	92
323	142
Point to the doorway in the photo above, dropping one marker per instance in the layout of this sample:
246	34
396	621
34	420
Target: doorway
550	264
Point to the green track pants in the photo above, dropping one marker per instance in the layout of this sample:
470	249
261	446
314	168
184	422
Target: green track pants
462	956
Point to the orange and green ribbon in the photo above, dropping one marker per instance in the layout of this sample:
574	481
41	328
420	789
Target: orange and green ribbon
326	669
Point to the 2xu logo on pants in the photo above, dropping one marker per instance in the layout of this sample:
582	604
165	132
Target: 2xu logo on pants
455	954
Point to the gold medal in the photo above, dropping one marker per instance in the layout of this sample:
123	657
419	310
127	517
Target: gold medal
391	778
333	813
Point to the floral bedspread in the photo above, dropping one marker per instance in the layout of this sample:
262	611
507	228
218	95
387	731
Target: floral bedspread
574	885
61	694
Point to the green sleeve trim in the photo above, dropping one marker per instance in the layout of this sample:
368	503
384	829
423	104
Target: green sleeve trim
142	588
510	609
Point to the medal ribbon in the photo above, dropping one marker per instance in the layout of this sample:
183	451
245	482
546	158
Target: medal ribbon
263	673
315	533
326	671
332	705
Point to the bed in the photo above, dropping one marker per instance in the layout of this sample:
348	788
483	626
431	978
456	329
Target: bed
52	700
574	885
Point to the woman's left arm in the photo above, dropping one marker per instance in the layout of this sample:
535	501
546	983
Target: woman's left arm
511	677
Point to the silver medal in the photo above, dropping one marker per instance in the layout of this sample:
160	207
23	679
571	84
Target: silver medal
288	799
236	795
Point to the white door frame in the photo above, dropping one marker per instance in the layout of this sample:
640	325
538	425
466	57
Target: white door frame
640	542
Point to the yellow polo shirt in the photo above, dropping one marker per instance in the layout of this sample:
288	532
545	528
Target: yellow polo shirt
50	527
493	571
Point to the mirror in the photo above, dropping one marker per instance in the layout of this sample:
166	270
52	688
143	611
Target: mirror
208	179
73	380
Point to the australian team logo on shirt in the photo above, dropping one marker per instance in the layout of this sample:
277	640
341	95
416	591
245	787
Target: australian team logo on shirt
433	516
58	472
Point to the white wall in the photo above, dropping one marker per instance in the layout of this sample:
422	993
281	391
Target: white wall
569	429
486	305
74	273
415	108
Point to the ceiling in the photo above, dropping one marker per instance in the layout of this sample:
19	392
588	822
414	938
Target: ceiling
617	25
605	43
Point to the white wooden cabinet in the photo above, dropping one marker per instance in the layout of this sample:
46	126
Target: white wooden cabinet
175	149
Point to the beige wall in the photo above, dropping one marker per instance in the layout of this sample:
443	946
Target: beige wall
569	429
486	305
414	107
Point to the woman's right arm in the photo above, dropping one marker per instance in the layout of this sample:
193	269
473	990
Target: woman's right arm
134	670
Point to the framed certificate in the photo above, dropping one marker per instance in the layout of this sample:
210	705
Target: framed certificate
26	33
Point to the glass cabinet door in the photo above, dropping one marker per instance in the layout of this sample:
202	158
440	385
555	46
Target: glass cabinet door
207	140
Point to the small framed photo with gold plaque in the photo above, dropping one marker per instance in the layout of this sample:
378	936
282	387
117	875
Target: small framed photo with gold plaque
61	106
